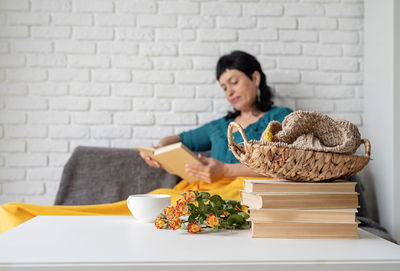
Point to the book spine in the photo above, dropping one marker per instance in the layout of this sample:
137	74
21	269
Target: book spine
298	187
310	204
304	230
301	215
299	201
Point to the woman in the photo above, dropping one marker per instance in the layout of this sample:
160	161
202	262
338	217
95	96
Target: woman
244	84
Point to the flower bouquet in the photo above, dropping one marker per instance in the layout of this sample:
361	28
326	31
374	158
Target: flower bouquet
199	211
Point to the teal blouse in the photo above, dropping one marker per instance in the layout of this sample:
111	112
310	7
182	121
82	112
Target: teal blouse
212	136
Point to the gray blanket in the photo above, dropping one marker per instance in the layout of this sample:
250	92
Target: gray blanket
103	175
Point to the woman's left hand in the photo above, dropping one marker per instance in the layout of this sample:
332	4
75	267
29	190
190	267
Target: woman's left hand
209	171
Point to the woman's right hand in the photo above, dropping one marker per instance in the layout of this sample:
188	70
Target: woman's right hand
151	162
163	142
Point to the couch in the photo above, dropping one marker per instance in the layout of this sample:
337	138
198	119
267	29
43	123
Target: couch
95	175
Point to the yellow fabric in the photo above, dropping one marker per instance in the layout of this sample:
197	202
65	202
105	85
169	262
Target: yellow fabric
226	188
12	214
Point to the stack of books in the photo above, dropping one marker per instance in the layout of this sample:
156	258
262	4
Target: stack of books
286	209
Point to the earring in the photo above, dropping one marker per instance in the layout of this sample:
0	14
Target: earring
258	95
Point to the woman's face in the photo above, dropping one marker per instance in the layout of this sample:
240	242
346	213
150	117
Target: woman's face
240	90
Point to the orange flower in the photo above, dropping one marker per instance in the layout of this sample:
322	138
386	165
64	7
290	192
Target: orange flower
194	227
226	214
212	220
169	212
189	196
160	223
175	223
181	208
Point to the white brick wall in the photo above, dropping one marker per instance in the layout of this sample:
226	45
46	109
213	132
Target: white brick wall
122	73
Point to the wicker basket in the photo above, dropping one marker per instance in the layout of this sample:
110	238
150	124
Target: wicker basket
295	164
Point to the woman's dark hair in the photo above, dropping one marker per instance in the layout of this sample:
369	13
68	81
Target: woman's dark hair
248	64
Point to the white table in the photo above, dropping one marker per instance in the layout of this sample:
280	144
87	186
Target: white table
121	243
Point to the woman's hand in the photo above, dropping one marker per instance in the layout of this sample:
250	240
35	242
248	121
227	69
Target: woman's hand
209	171
151	162
163	142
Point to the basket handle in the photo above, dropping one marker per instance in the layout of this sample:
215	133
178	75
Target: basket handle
233	145
367	146
241	131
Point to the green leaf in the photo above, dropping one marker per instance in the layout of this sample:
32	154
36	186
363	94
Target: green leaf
217	200
231	202
231	211
192	207
204	196
192	218
218	213
244	215
202	207
235	219
201	219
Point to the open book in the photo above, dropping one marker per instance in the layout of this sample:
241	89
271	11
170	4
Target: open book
173	159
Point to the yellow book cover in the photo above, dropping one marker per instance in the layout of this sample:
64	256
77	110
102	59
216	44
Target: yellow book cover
173	159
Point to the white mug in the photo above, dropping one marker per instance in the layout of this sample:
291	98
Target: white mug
146	207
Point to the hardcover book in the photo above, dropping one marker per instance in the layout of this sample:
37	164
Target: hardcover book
304	215
173	159
298	200
290	186
288	229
